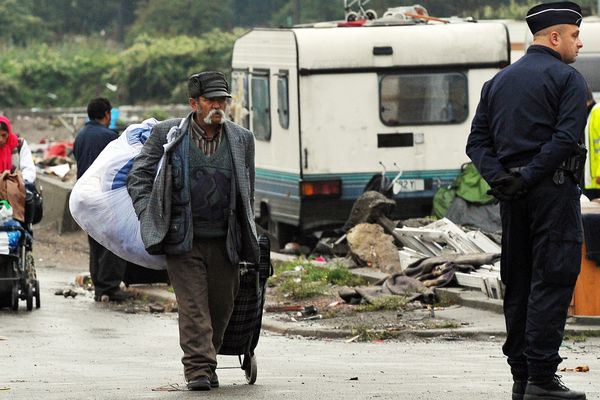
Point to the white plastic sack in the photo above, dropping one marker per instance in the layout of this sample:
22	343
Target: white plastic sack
100	204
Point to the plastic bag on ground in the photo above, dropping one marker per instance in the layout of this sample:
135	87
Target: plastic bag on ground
100	204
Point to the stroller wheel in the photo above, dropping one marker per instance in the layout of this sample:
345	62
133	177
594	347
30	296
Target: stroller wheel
371	14
15	296
251	369
351	16
29	297
36	290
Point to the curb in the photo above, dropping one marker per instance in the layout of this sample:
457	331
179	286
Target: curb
448	334
587	326
473	299
284	329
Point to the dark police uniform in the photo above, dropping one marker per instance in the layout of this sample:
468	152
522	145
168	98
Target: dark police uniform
529	120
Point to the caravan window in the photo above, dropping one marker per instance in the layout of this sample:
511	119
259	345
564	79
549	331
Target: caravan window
261	111
587	65
239	99
423	98
283	109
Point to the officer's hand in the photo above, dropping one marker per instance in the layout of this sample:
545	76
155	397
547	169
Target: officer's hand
502	179
598	179
508	187
498	195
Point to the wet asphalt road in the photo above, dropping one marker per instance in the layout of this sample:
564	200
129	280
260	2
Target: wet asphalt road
79	349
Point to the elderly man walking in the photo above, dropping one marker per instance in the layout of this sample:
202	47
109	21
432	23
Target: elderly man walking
199	212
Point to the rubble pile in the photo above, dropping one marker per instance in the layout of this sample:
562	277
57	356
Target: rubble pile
418	259
50	139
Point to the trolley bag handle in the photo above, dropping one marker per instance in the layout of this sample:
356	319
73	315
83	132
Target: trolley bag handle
250	267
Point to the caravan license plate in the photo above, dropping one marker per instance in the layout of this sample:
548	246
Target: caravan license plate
408	185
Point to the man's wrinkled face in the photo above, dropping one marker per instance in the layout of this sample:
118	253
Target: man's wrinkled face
210	111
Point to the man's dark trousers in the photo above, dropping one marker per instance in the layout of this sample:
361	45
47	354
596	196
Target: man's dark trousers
541	258
205	284
106	269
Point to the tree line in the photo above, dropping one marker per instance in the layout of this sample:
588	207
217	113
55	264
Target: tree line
61	52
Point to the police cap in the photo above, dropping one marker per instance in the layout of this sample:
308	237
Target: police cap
548	14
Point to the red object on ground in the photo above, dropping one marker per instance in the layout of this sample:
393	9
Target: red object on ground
59	149
358	22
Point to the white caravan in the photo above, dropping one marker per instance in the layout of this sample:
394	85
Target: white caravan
330	104
588	60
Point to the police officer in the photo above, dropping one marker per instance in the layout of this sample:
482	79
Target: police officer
523	140
592	139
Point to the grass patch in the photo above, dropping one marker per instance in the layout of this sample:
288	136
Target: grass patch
299	279
575	338
581	337
299	289
442	324
342	276
384	303
444	300
366	334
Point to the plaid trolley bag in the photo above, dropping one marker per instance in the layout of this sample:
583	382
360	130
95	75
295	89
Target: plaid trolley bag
243	330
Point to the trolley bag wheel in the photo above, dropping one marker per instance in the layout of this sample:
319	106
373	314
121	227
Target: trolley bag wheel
29	297
36	290
250	369
15	295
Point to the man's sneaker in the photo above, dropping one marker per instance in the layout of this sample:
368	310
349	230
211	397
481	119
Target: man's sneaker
214	380
552	389
202	383
518	389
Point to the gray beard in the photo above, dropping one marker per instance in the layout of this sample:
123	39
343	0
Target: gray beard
208	119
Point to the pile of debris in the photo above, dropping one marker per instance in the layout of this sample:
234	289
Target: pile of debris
417	259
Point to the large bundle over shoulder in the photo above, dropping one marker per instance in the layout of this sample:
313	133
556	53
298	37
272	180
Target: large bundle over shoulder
100	204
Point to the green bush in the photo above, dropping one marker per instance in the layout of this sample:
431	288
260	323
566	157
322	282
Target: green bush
151	70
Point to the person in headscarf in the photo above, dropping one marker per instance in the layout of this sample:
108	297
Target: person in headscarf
8	143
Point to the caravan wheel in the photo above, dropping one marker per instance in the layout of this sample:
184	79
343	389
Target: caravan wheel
282	233
278	232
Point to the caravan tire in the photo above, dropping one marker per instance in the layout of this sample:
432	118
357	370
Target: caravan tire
283	233
278	232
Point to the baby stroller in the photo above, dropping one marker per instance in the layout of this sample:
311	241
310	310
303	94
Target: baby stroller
18	279
243	330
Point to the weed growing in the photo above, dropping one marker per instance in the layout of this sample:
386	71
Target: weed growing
384	303
299	279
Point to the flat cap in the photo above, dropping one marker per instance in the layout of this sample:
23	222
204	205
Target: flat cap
208	84
548	14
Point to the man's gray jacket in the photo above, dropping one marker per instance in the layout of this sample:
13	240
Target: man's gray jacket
163	204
